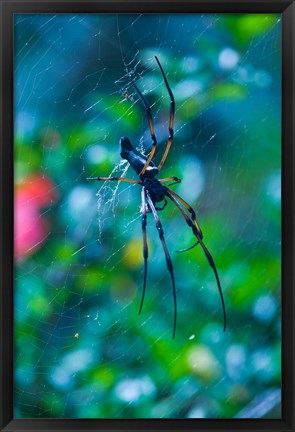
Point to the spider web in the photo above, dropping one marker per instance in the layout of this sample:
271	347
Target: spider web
81	348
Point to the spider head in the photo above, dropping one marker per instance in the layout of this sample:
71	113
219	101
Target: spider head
126	147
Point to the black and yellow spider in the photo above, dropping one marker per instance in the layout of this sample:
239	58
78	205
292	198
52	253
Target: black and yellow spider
153	191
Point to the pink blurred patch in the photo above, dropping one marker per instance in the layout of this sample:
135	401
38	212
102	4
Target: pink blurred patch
30	228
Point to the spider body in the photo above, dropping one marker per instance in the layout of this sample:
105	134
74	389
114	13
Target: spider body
153	192
136	159
155	189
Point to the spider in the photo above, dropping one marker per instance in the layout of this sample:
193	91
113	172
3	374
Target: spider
154	191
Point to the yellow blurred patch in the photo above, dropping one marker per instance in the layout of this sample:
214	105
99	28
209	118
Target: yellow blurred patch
132	255
203	363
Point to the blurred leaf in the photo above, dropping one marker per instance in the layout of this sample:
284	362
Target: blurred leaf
228	91
245	27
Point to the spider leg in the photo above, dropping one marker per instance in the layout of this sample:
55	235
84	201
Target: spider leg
114	179
207	253
189	248
145	245
171	119
151	126
188	221
189	208
167	255
173	179
163	206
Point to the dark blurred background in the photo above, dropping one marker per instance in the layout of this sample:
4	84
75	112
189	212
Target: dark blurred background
81	348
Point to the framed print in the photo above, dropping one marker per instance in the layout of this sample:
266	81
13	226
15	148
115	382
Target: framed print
147	196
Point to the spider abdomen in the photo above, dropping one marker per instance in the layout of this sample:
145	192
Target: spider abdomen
135	158
156	190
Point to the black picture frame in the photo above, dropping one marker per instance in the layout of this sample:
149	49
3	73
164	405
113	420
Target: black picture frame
8	9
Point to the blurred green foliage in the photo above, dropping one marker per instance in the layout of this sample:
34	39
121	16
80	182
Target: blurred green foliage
81	349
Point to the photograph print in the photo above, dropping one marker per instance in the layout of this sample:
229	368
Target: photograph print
147	230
